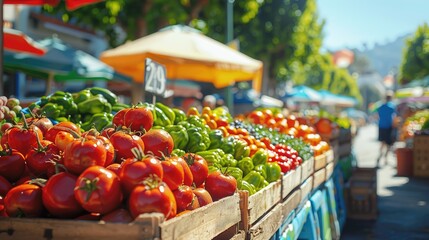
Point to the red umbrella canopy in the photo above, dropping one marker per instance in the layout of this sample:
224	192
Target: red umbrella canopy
17	41
70	4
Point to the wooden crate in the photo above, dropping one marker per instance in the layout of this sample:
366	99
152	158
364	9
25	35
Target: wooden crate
361	194
421	156
306	188
268	225
254	207
319	178
290	181
307	169
211	220
291	202
329	170
319	162
329	156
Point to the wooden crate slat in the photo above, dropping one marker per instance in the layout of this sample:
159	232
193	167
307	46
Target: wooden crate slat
329	156
291	202
319	162
39	228
290	181
255	206
318	178
268	225
306	188
211	220
329	170
307	169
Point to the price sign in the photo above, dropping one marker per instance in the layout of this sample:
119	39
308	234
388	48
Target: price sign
155	78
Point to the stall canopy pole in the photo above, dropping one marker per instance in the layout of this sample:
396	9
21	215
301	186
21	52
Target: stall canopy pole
229	99
1	49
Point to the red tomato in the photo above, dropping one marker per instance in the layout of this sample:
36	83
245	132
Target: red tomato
58	196
198	167
21	138
203	196
119	215
188	177
285	166
12	165
158	142
62	126
24	200
5	186
123	143
98	190
2	208
115	167
5	126
184	197
256	117
133	171
173	173
138	118
83	153
292	122
42	158
220	185
43	123
118	119
152	196
194	203
107	132
62	139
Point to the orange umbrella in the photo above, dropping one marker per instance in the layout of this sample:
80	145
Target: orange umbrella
17	41
70	4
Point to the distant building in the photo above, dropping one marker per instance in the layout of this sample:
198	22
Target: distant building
343	58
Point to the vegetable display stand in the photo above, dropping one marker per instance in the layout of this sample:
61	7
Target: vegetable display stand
212	220
404	158
290	181
291	202
318	178
257	205
421	156
307	168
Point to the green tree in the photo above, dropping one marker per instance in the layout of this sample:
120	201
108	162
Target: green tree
415	60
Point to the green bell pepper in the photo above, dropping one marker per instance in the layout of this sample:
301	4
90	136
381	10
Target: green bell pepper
229	160
196	121
95	104
180	115
160	118
241	149
255	179
107	94
179	135
273	171
178	152
211	157
195	143
119	106
246	165
167	111
99	121
260	157
216	139
244	185
51	110
82	96
228	145
261	169
237	173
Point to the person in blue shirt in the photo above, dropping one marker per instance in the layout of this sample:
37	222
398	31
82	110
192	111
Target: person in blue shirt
386	127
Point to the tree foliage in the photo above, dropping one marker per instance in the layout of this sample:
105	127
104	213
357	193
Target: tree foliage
415	60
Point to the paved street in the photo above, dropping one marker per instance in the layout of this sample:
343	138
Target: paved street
403	202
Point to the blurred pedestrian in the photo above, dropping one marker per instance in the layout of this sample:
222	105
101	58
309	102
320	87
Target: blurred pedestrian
386	127
209	101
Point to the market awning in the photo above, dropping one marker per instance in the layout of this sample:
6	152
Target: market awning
70	4
187	54
17	41
329	98
303	93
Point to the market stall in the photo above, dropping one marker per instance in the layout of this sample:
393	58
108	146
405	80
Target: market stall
261	172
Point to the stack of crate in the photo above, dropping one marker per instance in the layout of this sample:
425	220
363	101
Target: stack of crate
361	194
421	156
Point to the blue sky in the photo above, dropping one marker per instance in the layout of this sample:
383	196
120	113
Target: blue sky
350	23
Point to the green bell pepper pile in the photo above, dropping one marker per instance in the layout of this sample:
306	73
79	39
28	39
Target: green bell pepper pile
179	135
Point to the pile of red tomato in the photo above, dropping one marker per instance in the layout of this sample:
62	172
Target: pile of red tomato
56	171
